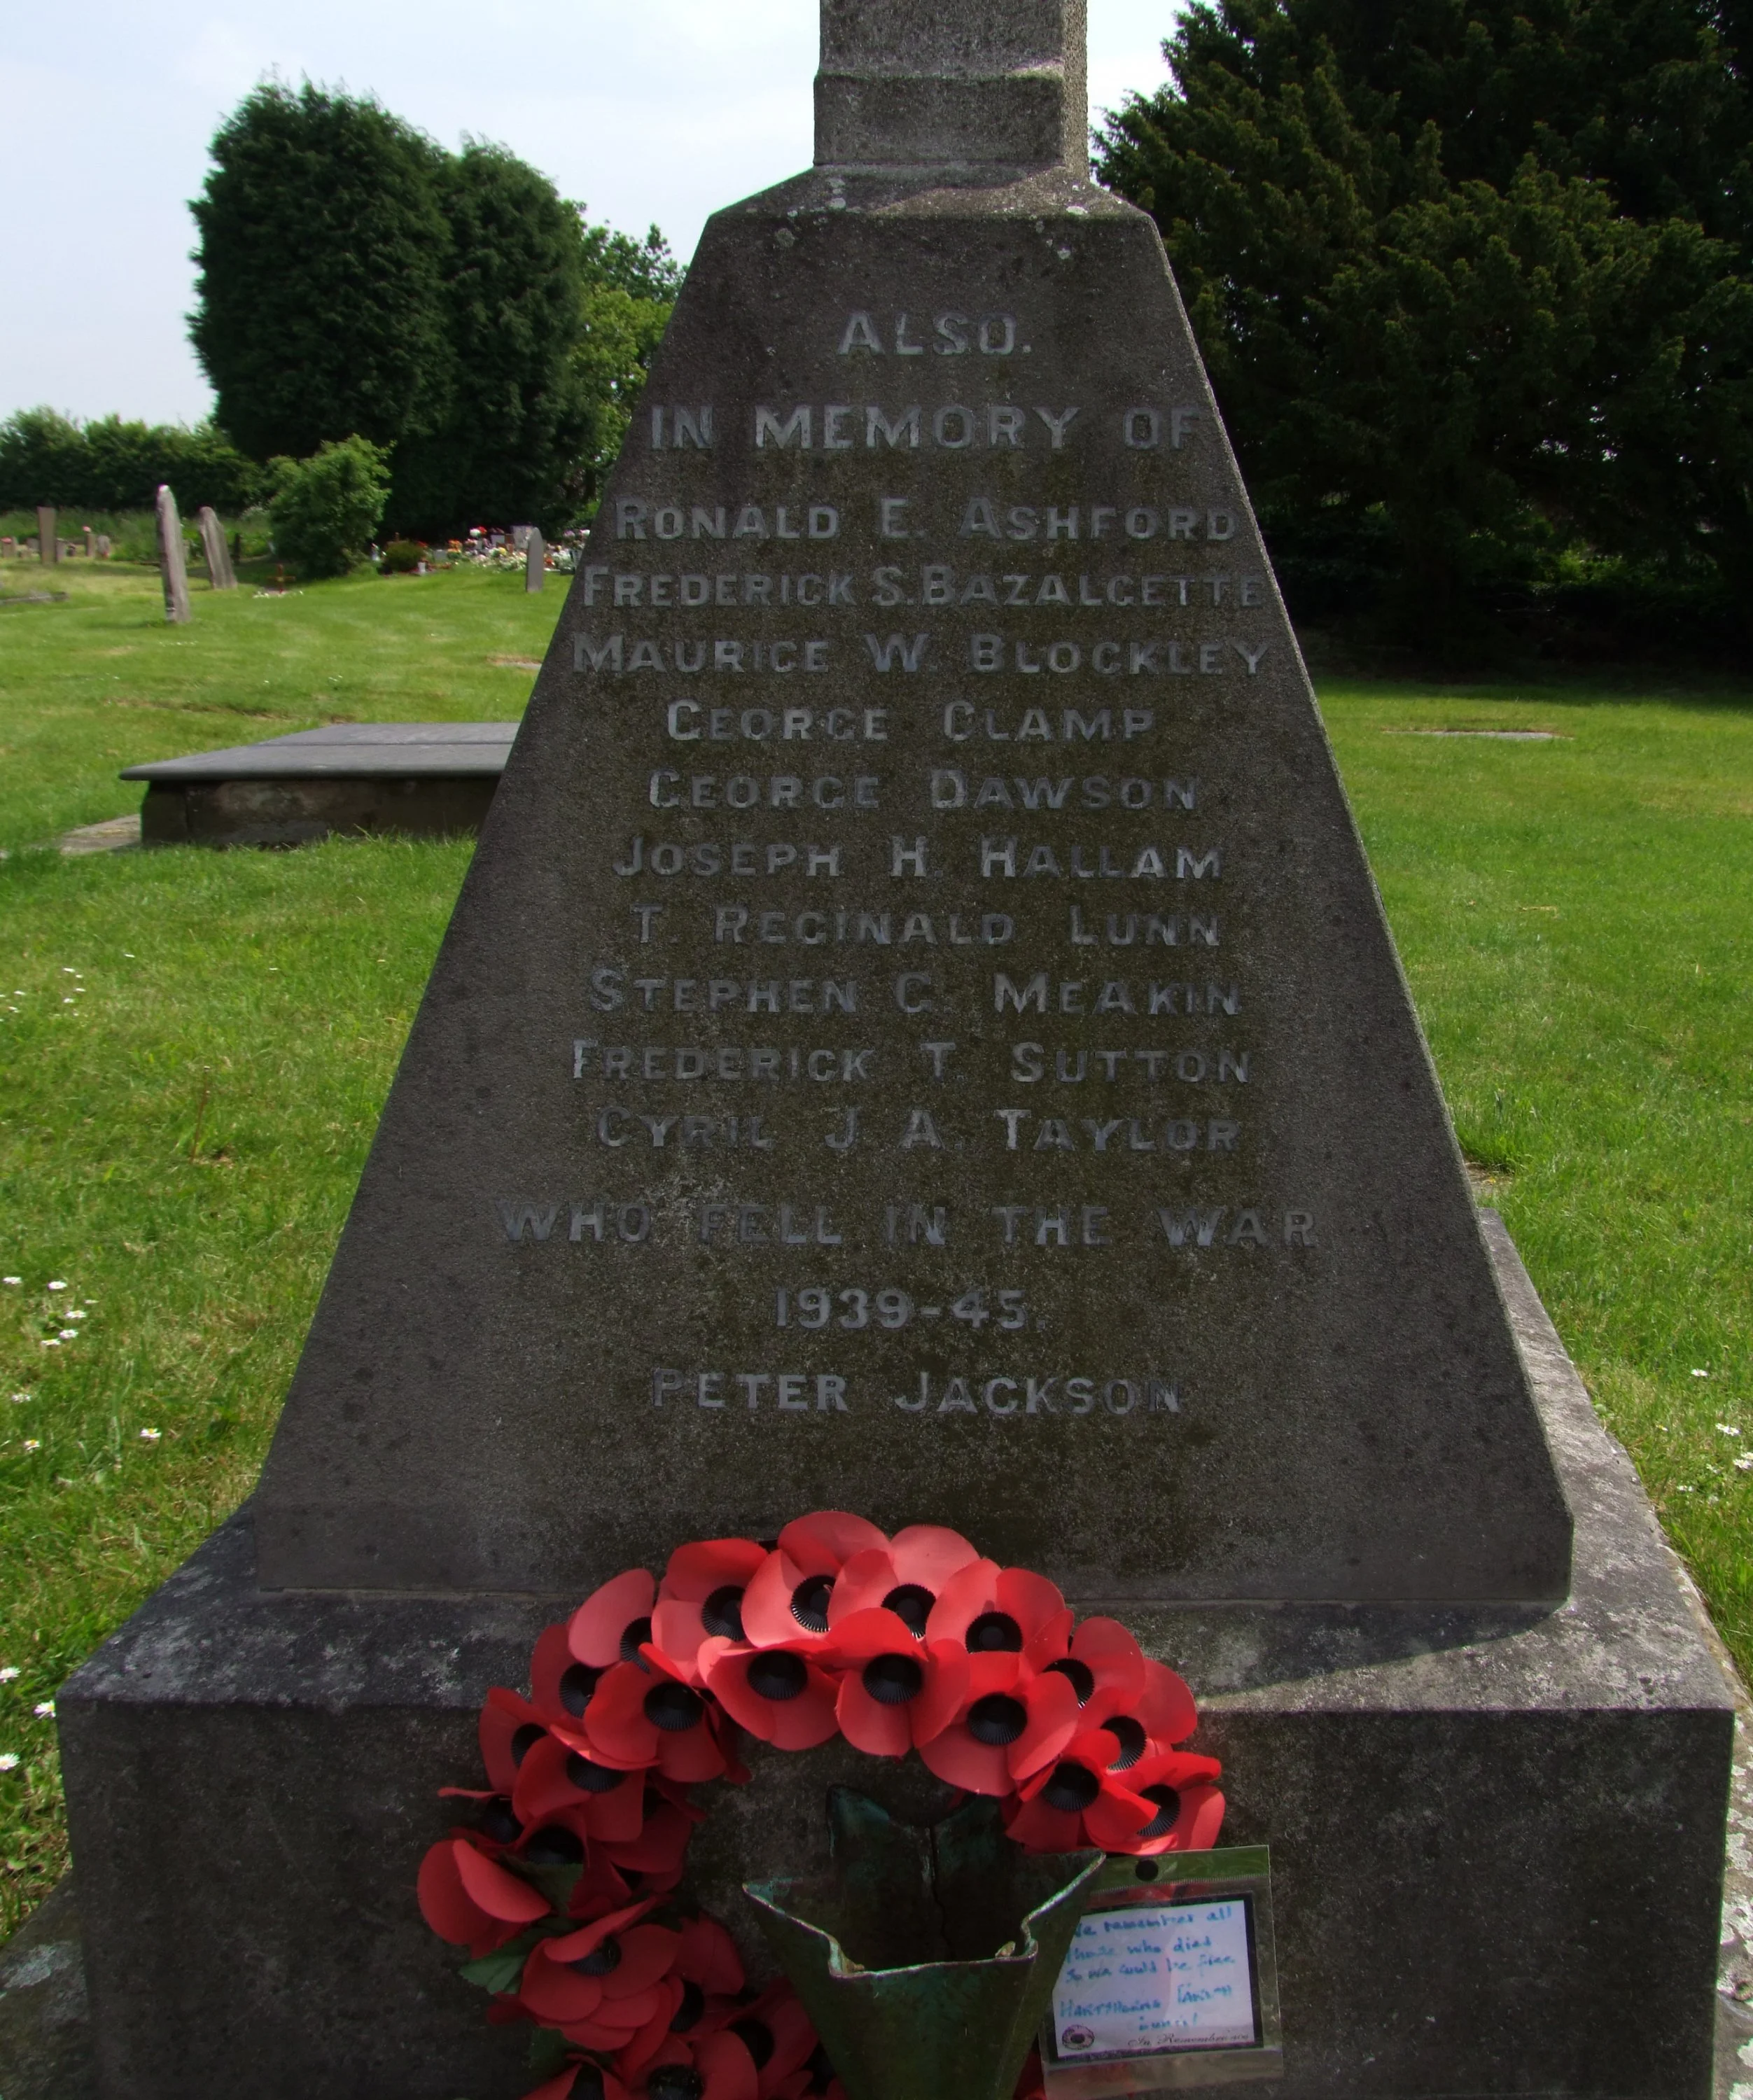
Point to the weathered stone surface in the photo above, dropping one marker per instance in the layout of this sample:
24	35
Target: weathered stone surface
997	84
48	542
1497	1835
220	573
1002	881
423	780
173	563
45	2022
535	560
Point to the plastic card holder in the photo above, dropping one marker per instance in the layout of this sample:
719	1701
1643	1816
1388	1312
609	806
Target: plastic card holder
1172	1980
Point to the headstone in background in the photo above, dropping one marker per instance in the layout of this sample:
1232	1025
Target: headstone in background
173	565
919	1035
91	540
520	537
102	546
8	547
47	545
220	573
535	560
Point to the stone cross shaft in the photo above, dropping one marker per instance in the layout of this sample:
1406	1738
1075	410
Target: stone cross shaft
954	84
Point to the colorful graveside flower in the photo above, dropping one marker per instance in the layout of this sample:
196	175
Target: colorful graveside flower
563	1885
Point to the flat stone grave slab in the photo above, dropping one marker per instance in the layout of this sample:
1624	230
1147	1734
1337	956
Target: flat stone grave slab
410	779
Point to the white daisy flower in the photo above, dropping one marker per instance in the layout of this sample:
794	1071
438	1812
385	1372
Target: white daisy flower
8	1760
8	1673
151	1436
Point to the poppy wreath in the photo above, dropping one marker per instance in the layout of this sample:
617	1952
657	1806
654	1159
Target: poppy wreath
563	1885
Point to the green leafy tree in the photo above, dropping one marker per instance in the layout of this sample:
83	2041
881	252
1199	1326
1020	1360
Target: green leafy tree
1471	281
630	287
326	508
355	277
513	300
322	256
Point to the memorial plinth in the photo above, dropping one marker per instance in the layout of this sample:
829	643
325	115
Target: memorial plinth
920	1035
419	780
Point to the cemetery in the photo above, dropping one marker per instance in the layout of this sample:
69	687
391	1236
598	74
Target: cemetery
1084	1491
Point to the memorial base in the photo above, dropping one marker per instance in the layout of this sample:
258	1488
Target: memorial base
1497	1836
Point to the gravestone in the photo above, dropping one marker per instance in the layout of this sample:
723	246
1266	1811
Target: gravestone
8	548
919	1034
102	546
173	564
91	540
535	562
220	573
48	547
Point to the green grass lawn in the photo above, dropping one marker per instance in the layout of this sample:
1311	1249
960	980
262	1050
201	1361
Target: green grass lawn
194	1046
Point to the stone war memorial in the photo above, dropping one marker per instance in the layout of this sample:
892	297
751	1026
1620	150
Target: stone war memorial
920	1038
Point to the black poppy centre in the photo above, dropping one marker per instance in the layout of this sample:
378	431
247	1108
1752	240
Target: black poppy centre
997	1719
590	1778
672	1707
892	1680
554	1845
525	1741
995	1633
498	1823
603	1960
1168	1805
1072	1787
1129	1734
808	1603
756	2037
578	1681
911	1605
634	1635
1079	1675
722	1613
776	1675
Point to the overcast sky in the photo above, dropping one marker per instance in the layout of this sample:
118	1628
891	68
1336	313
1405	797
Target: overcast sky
661	110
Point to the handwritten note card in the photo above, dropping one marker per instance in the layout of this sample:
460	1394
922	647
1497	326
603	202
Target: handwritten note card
1139	1980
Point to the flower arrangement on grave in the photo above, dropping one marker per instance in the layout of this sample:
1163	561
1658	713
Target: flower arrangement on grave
563	1885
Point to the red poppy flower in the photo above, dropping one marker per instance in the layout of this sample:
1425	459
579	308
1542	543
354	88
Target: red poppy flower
776	2032
776	1693
560	1685
473	1901
507	1729
599	1974
1162	1715
826	1540
999	1610
714	2067
644	1714
1105	1665
656	1854
580	2081
1078	1800
557	1784
613	1622
1013	1721
1187	1809
906	1579
897	1691
701	1596
496	1830
708	1956
1032	2083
